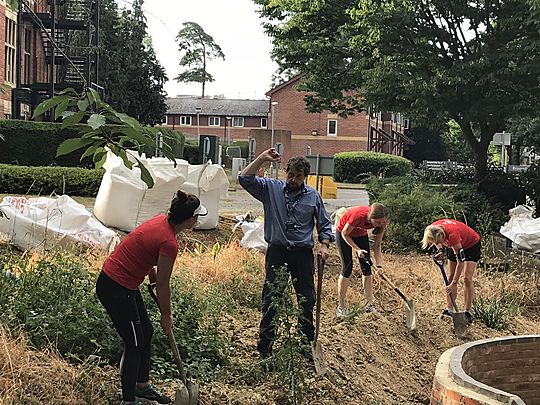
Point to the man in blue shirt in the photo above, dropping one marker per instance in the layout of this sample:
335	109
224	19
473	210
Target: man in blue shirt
290	211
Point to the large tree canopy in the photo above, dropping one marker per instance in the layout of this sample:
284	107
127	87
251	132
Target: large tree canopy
477	63
197	48
132	76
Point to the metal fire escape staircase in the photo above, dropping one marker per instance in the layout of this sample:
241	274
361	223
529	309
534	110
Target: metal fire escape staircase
72	60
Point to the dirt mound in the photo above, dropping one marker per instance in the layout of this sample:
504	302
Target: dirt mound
372	359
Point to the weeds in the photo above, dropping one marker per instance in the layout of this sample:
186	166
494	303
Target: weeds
288	358
496	313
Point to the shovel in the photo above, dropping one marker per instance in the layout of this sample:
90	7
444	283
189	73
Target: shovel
189	393
459	319
411	310
316	347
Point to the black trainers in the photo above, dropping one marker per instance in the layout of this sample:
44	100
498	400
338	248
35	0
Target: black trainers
469	317
151	393
447	312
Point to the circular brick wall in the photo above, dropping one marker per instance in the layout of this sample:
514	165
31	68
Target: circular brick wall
491	371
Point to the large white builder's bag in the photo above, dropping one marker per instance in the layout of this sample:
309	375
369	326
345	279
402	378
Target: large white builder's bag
44	223
522	229
124	201
208	182
253	236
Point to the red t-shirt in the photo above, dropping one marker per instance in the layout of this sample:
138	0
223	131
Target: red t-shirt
357	217
458	232
138	252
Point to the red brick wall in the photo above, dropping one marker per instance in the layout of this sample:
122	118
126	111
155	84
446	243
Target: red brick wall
514	368
7	93
290	115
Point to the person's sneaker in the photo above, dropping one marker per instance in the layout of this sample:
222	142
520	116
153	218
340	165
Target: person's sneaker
131	403
341	312
370	309
469	317
151	393
447	312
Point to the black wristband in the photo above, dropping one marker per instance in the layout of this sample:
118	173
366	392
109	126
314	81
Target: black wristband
379	266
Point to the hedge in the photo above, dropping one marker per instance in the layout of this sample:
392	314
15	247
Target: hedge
47	180
352	167
33	143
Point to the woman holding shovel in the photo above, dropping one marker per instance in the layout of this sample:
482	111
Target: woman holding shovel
463	248
352	236
149	250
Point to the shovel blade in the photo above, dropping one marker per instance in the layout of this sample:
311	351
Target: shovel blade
181	396
318	358
411	316
460	323
193	390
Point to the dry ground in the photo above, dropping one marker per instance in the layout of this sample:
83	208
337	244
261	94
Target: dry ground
372	359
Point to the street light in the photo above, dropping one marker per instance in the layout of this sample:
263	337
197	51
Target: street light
228	135
198	110
272	111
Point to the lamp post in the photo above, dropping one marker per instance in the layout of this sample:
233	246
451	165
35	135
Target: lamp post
198	110
272	111
228	135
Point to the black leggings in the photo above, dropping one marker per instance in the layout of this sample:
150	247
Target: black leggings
345	253
130	319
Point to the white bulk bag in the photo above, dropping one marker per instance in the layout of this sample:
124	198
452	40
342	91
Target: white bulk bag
522	229
208	182
43	223
124	201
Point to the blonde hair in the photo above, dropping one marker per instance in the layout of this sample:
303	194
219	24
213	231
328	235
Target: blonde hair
432	234
377	211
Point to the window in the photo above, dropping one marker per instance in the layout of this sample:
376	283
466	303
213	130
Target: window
238	121
214	121
185	120
332	127
27	48
264	122
405	123
9	52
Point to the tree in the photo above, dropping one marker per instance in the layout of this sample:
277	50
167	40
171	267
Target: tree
197	48
477	63
129	71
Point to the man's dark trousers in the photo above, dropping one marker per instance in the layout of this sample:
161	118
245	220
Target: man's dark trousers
299	262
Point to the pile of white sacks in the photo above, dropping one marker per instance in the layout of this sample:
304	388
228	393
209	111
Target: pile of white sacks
124	201
522	229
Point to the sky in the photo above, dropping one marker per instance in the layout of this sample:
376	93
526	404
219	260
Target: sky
235	26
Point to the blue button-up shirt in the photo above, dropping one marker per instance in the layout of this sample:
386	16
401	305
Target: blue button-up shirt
289	217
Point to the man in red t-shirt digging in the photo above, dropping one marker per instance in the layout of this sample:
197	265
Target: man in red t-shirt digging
463	246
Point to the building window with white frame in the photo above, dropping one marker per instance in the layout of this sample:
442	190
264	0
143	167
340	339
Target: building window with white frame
264	122
9	51
185	120
238	121
332	128
214	121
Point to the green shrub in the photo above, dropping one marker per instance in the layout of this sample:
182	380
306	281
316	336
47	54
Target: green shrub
53	300
350	167
47	180
33	143
496	313
412	206
191	153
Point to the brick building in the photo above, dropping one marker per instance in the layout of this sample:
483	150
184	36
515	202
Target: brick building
326	133
33	68
231	120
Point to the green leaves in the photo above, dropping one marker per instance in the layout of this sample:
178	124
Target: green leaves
98	135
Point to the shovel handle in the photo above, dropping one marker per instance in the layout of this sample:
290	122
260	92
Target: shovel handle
172	340
320	272
440	265
397	290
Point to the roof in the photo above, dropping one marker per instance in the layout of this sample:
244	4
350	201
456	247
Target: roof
289	82
210	106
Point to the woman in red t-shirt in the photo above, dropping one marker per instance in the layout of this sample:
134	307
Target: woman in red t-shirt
149	250
463	246
352	235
